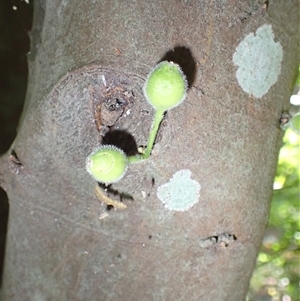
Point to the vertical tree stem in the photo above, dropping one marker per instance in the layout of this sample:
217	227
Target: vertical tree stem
159	114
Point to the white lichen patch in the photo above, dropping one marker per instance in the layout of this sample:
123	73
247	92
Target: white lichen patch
181	192
258	58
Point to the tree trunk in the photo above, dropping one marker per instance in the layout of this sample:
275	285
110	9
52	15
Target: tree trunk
63	243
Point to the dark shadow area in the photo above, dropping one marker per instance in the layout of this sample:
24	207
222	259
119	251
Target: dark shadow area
122	140
3	228
184	58
16	20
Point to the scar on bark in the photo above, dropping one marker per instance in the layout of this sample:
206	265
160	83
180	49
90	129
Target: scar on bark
222	240
110	101
15	163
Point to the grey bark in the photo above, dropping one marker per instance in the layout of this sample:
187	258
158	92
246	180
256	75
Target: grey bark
59	246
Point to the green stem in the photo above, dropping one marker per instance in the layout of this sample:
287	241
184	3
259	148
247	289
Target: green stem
159	114
135	159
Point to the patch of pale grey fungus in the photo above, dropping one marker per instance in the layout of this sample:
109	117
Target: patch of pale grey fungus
258	58
181	193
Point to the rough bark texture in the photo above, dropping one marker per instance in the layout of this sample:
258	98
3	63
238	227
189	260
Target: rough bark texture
57	246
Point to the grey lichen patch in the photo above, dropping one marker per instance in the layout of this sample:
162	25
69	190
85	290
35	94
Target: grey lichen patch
258	58
181	192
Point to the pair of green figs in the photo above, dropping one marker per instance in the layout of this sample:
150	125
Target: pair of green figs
165	88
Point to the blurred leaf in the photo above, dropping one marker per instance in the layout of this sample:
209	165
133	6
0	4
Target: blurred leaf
278	264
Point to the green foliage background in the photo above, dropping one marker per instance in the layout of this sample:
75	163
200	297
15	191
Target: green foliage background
276	276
